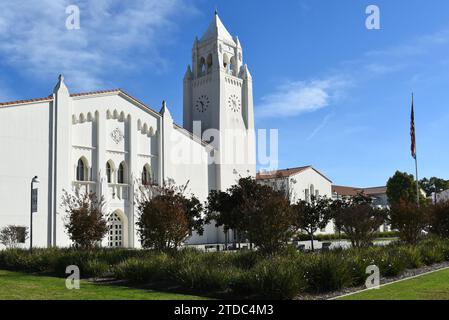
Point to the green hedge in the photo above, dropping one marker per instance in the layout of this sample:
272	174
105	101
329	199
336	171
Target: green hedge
244	274
342	236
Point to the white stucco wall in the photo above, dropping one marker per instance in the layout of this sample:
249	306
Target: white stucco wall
297	184
24	146
443	196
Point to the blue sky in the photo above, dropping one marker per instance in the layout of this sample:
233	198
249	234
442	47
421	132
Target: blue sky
338	93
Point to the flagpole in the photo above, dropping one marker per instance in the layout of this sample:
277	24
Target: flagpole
417	181
416	155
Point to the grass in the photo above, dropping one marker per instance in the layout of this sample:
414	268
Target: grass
433	286
21	286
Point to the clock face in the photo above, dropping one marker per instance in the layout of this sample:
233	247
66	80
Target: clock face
202	103
234	103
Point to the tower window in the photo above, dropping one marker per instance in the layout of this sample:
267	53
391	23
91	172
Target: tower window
146	175
209	62
81	174
109	172
202	66
121	173
225	61
232	66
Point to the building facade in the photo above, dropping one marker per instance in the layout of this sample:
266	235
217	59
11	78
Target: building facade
442	196
300	183
110	143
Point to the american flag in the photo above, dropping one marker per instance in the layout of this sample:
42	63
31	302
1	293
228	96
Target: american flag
412	131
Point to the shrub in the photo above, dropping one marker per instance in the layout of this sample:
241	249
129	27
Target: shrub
411	256
282	276
274	278
410	220
245	260
196	270
390	262
167	216
358	219
342	236
327	272
433	251
96	268
439	221
151	268
358	260
11	236
85	221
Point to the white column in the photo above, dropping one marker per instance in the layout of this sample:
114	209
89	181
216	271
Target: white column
102	183
133	175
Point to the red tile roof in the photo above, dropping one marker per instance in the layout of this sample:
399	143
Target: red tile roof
352	191
375	190
80	94
95	92
280	173
9	103
283	173
345	191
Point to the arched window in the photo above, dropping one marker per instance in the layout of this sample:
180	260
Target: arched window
232	66
225	62
81	171
115	225
146	175
121	173
109	172
209	62
202	66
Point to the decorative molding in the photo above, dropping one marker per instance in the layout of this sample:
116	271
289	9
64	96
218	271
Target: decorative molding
83	147
117	135
142	155
116	152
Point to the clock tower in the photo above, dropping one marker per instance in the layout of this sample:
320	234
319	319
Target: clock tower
218	103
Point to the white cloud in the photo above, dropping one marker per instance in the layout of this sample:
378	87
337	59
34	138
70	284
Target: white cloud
297	97
114	36
419	45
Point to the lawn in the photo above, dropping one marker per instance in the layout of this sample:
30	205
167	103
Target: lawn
21	286
433	286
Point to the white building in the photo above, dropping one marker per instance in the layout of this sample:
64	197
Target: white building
442	196
110	143
300	184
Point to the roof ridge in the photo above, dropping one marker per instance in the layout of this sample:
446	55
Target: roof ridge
79	94
50	97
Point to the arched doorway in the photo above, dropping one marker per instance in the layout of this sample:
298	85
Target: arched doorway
116	231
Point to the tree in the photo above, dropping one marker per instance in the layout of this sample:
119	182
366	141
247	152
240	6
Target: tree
358	219
410	220
439	219
268	220
11	236
312	216
167	217
401	186
222	209
85	222
433	184
263	214
225	208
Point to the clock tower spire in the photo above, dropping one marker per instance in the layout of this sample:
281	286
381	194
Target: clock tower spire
218	96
